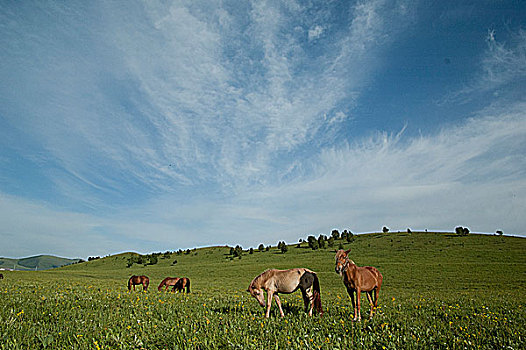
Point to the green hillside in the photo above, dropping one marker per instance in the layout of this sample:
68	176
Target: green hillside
417	260
440	290
39	262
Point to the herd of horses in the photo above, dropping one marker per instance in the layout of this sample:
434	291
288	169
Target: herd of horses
366	279
179	284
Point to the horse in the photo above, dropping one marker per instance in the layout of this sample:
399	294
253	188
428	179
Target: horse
287	281
358	279
181	284
134	280
167	282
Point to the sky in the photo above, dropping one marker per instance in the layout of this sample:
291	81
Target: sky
165	125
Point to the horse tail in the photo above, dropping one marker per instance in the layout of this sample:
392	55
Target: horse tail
188	285
317	294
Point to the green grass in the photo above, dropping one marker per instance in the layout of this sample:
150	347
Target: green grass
39	262
440	291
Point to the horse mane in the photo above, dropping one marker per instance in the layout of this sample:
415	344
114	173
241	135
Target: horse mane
257	280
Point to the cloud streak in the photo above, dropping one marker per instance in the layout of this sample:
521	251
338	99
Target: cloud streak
139	125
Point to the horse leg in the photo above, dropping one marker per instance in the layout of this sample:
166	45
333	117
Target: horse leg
269	301
279	305
358	294
310	300
306	300
350	291
370	298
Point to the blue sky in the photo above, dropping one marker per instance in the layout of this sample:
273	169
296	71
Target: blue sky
153	126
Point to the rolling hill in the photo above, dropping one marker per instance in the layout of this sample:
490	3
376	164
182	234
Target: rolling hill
38	262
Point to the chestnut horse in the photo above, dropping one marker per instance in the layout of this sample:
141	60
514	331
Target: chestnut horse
134	280
358	279
167	282
287	281
181	284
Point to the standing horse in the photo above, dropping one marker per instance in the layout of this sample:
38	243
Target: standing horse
134	280
181	284
358	279
287	281
167	282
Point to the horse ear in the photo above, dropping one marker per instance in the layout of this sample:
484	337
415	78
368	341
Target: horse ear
348	251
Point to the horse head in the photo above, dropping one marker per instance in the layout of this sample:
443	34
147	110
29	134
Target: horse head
342	260
258	294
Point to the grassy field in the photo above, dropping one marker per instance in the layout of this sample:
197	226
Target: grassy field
439	291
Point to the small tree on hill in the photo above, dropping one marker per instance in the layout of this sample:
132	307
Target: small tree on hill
461	231
335	234
238	251
321	241
385	229
284	248
330	242
261	247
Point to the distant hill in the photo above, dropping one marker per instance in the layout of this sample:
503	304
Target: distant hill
39	262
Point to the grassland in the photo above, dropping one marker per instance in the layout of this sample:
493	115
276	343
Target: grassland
39	262
440	291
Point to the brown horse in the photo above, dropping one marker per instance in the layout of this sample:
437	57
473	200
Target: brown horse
167	282
287	281
181	284
358	279
134	280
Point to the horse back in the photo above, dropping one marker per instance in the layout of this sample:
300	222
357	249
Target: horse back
373	277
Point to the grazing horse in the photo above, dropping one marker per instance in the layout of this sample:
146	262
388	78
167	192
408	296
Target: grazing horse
134	280
181	284
167	282
287	281
358	279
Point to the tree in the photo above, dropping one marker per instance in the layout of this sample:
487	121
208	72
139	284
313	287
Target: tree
251	251
350	236
409	230
261	247
499	232
461	231
284	248
330	242
321	241
335	234
231	251
238	251
152	259
313	242
385	229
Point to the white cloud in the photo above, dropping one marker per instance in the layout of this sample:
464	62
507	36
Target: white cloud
315	32
472	174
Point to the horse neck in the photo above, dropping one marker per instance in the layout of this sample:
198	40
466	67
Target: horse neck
350	266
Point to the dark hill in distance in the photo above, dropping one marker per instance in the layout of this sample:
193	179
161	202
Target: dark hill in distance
39	262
